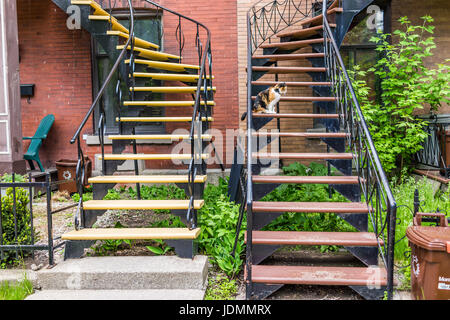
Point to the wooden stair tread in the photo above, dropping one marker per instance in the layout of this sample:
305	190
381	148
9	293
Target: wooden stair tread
308	156
166	103
101	14
319	19
311	207
307	179
301	134
170	76
178	67
356	239
147	179
283	57
159	119
296	115
291	83
314	275
150	54
140	204
306	32
288	70
137	41
132	156
292	44
133	234
302	99
157	137
184	89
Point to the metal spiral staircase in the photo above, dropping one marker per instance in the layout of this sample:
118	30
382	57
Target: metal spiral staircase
143	69
283	32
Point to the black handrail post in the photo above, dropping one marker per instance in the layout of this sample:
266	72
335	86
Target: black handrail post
15	214
249	258
391	253
49	219
30	190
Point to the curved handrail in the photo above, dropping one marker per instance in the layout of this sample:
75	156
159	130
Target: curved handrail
295	11
377	161
108	78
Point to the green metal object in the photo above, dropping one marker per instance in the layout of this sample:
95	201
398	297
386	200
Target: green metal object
36	142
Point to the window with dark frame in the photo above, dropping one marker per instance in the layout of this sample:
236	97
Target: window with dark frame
147	26
356	48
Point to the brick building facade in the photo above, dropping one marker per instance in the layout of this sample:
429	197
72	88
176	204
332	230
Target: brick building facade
59	62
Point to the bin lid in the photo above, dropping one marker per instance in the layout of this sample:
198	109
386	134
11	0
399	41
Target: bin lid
430	238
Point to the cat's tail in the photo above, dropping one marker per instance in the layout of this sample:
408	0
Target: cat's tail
244	115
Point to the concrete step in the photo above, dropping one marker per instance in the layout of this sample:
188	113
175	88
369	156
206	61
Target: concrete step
126	273
163	294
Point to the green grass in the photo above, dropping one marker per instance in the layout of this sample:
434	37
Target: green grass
221	287
17	291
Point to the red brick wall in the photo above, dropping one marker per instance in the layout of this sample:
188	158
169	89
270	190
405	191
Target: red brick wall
440	11
58	61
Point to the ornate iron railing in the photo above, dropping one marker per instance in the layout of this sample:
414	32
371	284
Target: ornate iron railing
374	183
267	19
22	225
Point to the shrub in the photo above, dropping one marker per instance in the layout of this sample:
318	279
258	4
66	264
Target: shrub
8	221
218	219
407	85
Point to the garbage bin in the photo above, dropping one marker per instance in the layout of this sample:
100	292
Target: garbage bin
430	258
67	171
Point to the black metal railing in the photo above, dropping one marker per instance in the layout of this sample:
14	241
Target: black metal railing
434	151
374	183
266	20
201	111
22	226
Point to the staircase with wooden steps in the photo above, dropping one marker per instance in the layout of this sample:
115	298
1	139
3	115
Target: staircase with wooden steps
349	149
145	68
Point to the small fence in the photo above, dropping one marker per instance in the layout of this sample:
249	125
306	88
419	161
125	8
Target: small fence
435	151
17	232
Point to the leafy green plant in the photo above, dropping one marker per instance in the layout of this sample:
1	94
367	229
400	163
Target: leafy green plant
108	246
160	250
86	197
292	221
17	178
221	287
15	223
218	220
112	194
407	86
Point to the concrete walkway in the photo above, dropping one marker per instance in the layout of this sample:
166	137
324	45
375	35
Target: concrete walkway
124	278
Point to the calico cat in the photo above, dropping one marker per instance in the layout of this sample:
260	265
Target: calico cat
266	100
